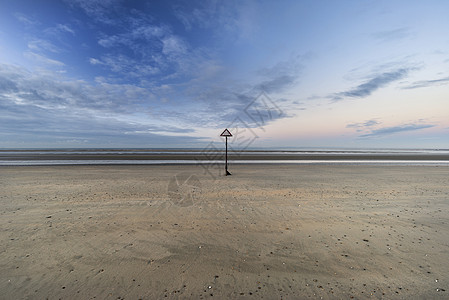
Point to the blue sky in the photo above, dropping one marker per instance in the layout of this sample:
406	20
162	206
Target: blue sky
110	73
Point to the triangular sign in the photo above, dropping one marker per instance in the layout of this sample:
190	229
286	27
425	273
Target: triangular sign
226	133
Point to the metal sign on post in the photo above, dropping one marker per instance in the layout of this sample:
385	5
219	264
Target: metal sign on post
226	134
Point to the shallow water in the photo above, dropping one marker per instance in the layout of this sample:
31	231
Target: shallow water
216	156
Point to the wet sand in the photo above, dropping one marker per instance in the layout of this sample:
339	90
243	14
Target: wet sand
271	231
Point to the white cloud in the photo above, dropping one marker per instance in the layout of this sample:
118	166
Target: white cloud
41	59
149	31
221	17
144	49
392	35
125	65
95	61
110	41
100	10
26	20
50	91
173	45
59	29
42	45
65	28
36	108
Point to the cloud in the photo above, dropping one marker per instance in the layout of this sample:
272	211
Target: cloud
35	107
371	128
104	11
364	125
6	84
41	45
95	61
378	81
218	104
280	76
173	45
133	48
136	31
276	84
26	20
111	41
140	106
49	92
65	28
59	29
41	59
206	14
125	65
392	35
396	129
218	99
370	123
150	53
141	48
223	19
427	83
32	125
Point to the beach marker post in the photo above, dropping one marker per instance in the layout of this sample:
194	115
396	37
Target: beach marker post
226	134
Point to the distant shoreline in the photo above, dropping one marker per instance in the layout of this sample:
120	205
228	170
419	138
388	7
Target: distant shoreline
213	154
281	149
216	156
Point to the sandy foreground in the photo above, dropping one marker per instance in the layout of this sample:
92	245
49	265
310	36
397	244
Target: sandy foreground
268	231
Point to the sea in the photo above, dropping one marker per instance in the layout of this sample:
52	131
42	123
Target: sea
157	156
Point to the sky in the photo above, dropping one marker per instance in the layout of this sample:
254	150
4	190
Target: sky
277	74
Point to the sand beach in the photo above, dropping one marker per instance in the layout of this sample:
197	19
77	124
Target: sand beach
268	231
118	120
